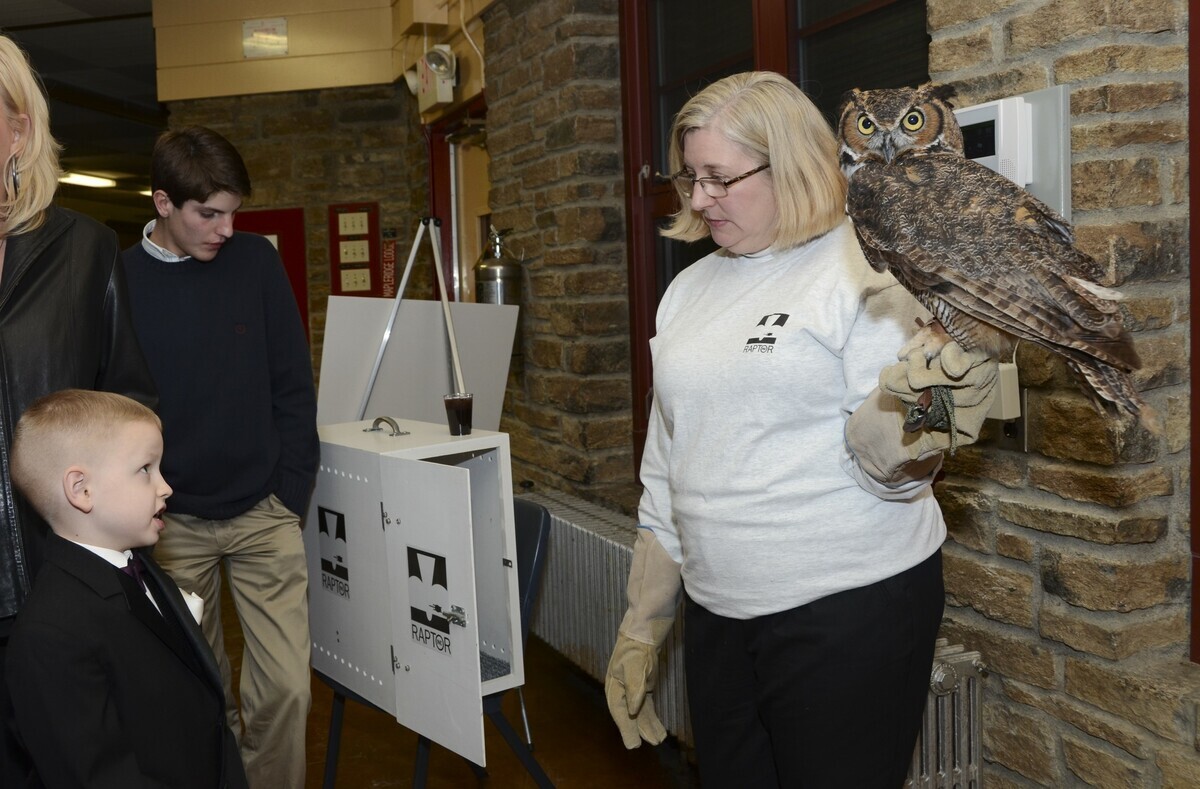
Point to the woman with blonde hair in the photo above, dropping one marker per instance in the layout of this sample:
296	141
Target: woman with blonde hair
780	501
64	323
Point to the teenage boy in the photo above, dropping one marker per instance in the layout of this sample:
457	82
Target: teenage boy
112	682
218	323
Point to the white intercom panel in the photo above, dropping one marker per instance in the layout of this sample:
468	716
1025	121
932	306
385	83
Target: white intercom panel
1027	139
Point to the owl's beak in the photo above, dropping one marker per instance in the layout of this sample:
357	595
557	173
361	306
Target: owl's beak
889	149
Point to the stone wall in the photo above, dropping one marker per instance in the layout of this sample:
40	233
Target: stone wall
310	149
1068	565
554	137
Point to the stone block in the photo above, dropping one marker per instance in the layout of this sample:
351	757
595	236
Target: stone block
982	462
1114	581
1152	692
1115	183
1015	546
1117	487
589	318
1107	136
948	13
1125	97
1099	766
1001	593
591	357
1142	313
604	432
609	468
297	122
580	395
1180	766
595	281
1007	651
532	417
1178	431
1109	635
1179	181
1166	360
1139	251
1086	718
1146	16
1068	427
960	52
1094	524
1052	23
547	352
1120	59
967	513
567	463
1021	742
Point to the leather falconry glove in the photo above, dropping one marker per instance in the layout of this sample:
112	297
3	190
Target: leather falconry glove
926	403
653	592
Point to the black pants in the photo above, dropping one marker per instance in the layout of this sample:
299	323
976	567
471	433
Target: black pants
823	696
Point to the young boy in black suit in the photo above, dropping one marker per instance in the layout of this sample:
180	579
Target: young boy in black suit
112	682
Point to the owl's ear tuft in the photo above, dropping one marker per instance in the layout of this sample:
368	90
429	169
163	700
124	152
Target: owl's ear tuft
944	93
849	97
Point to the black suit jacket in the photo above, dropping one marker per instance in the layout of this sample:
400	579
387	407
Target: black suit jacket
108	692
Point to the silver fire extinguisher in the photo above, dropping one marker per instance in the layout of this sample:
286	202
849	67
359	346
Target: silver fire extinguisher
497	275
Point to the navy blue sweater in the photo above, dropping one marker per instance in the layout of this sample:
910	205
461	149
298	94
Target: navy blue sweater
228	352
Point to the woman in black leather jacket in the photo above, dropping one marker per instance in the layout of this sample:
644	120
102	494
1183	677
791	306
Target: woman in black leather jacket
64	319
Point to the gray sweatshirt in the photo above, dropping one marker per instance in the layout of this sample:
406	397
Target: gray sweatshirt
758	362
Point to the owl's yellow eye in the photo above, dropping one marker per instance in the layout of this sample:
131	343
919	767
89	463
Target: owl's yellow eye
914	120
866	125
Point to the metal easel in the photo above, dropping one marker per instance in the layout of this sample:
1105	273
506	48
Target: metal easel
436	244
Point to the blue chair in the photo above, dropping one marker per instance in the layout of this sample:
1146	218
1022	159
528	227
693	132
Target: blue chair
532	532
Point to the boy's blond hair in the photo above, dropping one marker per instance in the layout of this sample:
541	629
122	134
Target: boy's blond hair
63	428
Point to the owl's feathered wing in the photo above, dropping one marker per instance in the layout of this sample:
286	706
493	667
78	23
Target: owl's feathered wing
984	255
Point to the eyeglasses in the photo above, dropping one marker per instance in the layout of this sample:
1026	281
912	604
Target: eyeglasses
711	185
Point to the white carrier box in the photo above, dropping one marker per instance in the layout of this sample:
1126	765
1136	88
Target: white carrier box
413	595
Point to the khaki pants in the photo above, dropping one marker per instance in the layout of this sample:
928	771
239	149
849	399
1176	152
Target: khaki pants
262	552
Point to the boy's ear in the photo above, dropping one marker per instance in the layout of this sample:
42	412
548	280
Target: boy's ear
162	204
75	482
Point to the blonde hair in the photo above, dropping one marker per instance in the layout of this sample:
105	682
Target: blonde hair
772	119
63	428
23	207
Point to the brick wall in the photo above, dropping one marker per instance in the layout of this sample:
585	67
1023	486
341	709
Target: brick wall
310	149
554	137
1068	566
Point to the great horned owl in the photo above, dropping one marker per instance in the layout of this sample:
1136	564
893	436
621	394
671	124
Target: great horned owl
991	262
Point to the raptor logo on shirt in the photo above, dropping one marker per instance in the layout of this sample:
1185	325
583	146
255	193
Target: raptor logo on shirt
765	343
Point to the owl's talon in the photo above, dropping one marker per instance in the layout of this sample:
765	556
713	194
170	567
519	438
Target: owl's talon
918	412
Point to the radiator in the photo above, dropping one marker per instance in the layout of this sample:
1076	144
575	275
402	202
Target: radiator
949	751
582	598
582	601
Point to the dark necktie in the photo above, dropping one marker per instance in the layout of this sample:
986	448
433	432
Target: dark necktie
135	570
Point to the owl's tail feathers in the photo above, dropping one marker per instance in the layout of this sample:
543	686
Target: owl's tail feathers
1111	390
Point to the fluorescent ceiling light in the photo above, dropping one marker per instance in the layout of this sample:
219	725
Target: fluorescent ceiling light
79	179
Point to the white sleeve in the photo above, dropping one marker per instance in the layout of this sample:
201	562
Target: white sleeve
887	319
654	510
